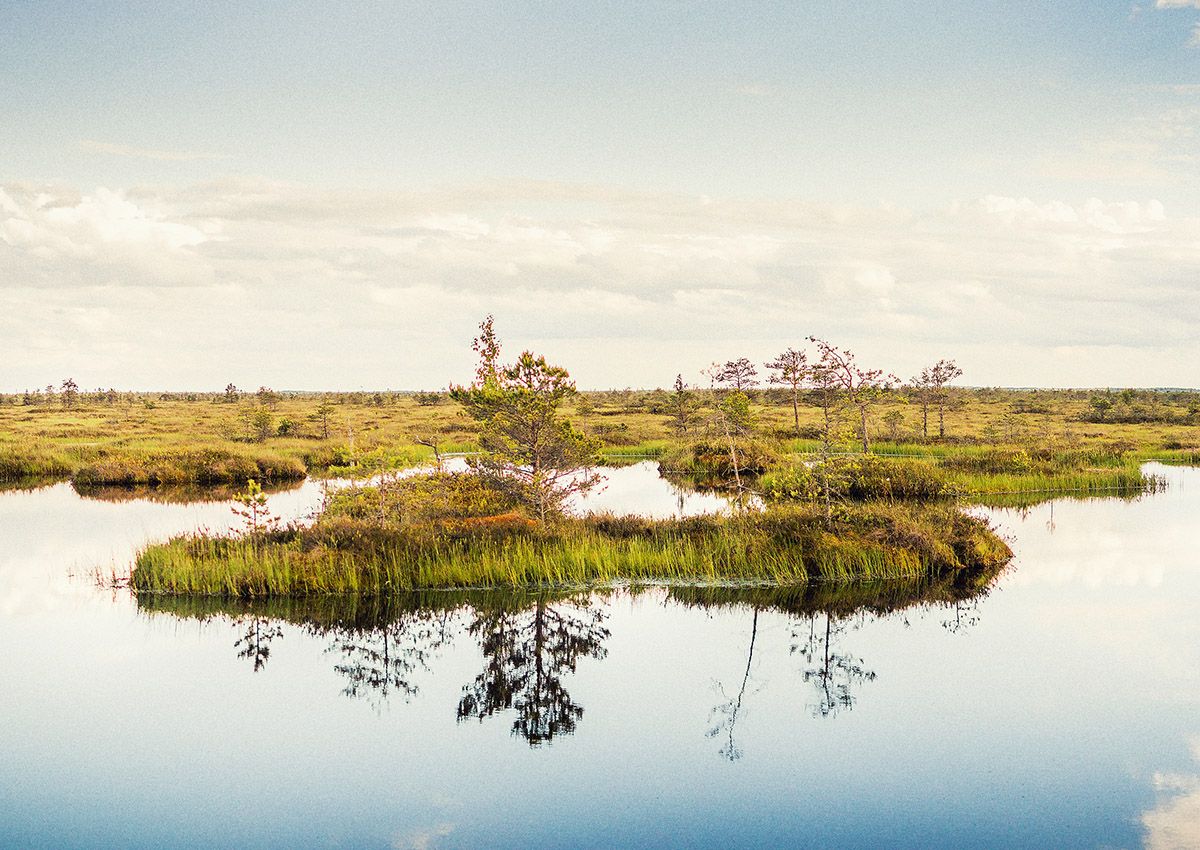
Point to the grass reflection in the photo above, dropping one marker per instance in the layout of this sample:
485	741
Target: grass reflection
531	643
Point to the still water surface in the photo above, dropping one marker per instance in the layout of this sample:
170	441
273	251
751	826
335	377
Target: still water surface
1060	710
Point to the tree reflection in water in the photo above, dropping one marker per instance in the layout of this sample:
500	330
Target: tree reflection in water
724	715
834	674
531	643
526	654
965	615
255	642
379	662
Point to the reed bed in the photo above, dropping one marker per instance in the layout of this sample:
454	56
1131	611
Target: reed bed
976	476
639	451
132	463
1183	457
783	546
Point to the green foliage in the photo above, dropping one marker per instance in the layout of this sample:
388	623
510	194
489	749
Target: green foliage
681	406
783	546
734	407
251	506
70	393
321	416
713	458
526	445
858	477
256	424
739	374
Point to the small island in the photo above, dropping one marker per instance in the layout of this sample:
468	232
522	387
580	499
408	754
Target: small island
802	511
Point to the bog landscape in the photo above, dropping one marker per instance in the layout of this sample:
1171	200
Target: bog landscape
658	425
809	498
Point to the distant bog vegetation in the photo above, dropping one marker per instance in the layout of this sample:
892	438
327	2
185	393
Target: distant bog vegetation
228	436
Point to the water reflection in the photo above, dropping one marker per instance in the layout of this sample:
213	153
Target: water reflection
530	644
726	713
176	494
834	674
255	642
380	662
527	653
1061	719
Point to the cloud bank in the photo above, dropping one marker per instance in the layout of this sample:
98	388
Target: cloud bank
302	287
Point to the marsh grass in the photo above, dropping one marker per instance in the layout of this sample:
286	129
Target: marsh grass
201	465
637	451
976	474
135	463
363	435
344	554
1182	457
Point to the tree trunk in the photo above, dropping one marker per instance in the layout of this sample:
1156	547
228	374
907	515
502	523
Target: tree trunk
733	458
796	408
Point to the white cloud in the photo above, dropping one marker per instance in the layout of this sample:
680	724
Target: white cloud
1177	4
1174	823
262	282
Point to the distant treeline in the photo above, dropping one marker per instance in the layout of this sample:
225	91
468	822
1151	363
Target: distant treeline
1167	405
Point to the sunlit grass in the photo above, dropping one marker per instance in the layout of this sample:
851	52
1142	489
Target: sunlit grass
782	546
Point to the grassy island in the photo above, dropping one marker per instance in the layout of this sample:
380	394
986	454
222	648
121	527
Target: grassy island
453	530
844	474
507	523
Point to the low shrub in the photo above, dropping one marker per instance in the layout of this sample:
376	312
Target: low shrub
715	458
857	477
422	499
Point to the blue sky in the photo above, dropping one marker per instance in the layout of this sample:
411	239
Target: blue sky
852	165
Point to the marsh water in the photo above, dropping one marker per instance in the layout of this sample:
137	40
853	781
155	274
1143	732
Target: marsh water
1059	708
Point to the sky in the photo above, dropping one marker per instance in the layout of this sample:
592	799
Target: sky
309	196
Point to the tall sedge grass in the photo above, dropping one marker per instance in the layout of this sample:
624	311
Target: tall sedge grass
132	464
1129	480
646	449
1185	457
975	474
782	546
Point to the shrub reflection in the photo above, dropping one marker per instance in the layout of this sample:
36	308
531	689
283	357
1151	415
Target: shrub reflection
530	644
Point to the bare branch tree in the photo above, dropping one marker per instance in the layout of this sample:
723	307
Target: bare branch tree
922	387
863	387
790	369
941	374
739	374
